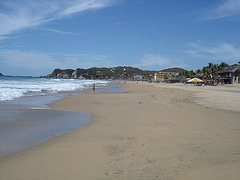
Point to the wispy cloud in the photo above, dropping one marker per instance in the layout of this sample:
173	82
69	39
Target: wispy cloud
228	8
27	60
151	59
87	60
82	5
157	62
16	15
220	51
121	23
58	31
42	62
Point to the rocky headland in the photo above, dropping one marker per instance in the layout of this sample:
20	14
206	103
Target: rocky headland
115	73
121	72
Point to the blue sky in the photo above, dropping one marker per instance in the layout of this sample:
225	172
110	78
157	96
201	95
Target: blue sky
39	36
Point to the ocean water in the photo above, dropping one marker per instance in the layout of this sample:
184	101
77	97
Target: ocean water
12	87
24	128
25	118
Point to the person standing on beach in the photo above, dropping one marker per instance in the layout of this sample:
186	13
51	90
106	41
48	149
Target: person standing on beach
94	87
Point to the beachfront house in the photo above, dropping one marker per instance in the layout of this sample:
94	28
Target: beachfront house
138	77
229	75
167	74
163	76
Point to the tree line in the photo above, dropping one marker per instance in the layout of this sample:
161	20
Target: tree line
207	72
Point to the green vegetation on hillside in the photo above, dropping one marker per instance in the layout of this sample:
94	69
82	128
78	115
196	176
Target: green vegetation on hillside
120	72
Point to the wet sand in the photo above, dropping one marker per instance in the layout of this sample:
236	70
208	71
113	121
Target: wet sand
24	128
148	133
28	121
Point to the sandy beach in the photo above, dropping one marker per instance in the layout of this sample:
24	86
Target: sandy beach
154	131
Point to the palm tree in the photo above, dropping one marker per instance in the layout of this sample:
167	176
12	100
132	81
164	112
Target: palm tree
222	65
207	71
210	65
198	71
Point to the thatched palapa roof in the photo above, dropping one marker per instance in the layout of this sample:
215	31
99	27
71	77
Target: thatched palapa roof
231	69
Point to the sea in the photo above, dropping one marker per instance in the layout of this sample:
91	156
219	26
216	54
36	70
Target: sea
25	118
12	87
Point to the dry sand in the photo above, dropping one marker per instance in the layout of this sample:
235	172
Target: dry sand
148	133
225	97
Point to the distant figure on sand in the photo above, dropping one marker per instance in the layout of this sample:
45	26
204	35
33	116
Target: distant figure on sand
94	87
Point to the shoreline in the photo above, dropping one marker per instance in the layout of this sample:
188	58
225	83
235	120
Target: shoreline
29	121
163	137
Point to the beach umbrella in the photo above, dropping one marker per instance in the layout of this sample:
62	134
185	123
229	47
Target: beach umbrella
195	80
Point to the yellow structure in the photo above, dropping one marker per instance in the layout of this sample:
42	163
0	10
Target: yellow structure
195	80
163	76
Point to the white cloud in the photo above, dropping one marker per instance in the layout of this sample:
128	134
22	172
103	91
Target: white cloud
16	15
87	60
45	62
27	60
58	31
227	9
157	62
220	51
153	60
82	5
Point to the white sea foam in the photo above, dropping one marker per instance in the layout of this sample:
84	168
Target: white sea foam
14	87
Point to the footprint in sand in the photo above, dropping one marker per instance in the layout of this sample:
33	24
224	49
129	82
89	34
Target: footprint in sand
146	169
107	173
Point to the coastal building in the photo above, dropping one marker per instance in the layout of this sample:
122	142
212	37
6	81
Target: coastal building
163	76
138	77
229	75
167	75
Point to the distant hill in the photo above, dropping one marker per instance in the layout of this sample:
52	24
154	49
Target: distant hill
120	72
116	73
175	69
